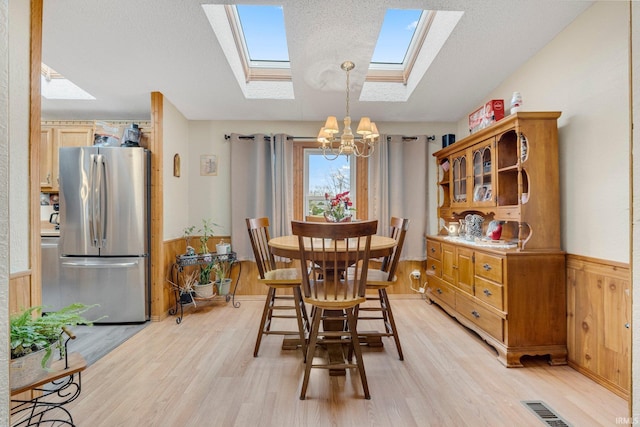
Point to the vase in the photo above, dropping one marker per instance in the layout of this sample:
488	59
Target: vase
223	286
187	297
330	218
204	291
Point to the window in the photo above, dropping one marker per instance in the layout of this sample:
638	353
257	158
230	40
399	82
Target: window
326	176
313	175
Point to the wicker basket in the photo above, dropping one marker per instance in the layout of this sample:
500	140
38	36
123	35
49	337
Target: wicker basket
204	291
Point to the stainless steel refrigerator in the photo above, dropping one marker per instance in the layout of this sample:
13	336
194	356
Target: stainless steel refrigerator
104	231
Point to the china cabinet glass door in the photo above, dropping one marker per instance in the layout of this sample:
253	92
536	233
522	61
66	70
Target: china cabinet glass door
459	167
482	175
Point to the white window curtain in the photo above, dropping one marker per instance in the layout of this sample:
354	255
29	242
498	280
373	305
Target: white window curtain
398	187
282	149
262	169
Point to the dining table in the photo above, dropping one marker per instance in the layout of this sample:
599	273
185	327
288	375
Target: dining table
288	247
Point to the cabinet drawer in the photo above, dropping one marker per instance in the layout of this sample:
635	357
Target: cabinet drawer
511	213
434	250
434	267
488	266
485	319
441	291
489	292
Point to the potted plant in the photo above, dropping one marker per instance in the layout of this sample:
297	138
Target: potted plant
34	337
223	282
338	208
204	287
187	234
206	231
188	288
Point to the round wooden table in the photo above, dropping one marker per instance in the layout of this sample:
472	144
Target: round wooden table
287	246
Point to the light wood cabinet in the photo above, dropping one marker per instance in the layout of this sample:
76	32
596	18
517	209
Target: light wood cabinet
513	295
46	158
53	137
515	300
507	172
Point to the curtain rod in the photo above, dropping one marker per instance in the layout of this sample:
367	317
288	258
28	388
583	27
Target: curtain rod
227	136
312	138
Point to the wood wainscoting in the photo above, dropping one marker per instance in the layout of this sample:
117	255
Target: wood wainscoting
599	321
248	285
20	292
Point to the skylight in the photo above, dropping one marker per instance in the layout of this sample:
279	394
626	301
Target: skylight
55	86
264	33
254	41
398	29
259	75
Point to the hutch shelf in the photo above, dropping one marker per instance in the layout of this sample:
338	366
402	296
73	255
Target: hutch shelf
511	292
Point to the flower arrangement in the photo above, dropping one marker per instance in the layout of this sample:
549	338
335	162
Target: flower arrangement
338	208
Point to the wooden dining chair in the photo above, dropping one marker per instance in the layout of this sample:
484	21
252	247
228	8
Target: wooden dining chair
328	250
315	218
278	280
379	280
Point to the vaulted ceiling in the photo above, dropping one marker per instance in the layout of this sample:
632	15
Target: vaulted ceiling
121	50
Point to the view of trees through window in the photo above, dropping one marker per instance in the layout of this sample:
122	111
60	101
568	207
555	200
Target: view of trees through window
326	177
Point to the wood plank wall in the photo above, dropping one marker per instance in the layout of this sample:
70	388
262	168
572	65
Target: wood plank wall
248	271
599	321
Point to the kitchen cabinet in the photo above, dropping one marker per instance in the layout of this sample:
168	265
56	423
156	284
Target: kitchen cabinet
46	158
55	135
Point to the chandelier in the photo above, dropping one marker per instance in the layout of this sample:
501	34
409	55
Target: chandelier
348	143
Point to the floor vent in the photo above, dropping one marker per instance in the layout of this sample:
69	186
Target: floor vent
545	414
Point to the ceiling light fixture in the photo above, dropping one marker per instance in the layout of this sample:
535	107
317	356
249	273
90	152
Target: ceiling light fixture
349	144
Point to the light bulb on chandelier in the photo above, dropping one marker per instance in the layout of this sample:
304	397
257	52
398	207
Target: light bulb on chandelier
349	143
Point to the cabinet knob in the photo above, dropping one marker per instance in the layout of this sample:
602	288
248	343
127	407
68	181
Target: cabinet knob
487	292
475	314
439	291
487	267
627	325
433	266
433	250
48	178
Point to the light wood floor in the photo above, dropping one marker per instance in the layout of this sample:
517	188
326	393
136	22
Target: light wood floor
203	373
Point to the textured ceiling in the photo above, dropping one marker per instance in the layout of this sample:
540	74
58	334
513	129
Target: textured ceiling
121	50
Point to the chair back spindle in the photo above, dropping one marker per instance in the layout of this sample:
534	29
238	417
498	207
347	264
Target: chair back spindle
328	250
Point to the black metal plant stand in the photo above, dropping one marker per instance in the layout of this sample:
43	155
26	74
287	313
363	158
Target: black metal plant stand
177	280
57	389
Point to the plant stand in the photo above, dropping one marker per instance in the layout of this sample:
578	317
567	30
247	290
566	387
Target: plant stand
59	387
176	279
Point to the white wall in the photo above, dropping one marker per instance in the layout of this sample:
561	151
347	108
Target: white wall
19	75
175	189
14	166
583	73
209	196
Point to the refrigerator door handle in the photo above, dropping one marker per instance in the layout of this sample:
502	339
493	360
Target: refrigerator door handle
89	264
102	197
92	201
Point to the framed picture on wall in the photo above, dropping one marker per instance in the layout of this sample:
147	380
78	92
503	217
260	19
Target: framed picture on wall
208	165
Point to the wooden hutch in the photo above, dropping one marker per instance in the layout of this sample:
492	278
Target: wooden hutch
511	291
